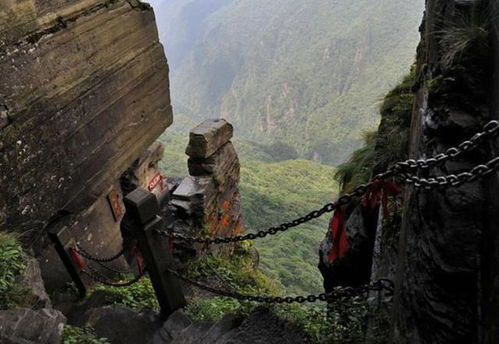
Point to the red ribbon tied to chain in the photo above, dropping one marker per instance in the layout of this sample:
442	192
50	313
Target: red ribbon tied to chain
77	258
338	232
379	192
138	258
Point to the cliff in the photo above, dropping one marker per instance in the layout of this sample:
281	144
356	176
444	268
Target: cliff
84	92
448	253
440	246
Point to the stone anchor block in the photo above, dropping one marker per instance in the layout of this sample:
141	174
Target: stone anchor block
221	163
208	137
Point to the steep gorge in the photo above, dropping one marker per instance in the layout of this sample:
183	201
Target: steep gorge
84	94
280	77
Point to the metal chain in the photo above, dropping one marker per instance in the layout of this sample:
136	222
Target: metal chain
491	129
97	277
338	293
87	255
454	180
116	271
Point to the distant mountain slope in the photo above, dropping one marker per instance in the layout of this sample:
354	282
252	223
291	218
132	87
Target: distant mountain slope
306	72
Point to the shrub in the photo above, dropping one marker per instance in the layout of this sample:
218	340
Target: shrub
212	309
78	335
359	167
466	36
344	324
12	266
139	296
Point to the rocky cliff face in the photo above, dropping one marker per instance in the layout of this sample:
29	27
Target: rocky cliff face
440	245
84	92
447	277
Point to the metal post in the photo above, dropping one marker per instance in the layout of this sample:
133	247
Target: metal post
62	244
142	218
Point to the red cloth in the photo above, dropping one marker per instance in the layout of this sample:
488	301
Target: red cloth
77	258
379	192
338	231
138	259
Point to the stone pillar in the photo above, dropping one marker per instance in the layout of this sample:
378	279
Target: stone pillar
209	196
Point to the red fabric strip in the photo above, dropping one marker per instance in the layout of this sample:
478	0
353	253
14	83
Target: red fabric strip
338	232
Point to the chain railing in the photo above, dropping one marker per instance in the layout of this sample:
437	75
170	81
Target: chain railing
403	169
151	225
87	255
338	293
99	278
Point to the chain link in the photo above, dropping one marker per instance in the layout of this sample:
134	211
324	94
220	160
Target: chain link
87	255
454	180
97	277
339	293
491	129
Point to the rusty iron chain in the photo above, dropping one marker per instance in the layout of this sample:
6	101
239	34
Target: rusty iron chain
87	255
339	292
97	277
491	129
454	180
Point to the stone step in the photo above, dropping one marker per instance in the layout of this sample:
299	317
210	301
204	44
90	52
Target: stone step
194	333
172	328
221	328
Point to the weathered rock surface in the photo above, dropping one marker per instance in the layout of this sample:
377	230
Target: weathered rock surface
84	91
447	278
27	326
210	195
122	325
209	137
354	268
261	327
32	279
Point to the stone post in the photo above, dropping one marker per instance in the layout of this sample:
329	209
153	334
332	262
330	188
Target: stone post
210	195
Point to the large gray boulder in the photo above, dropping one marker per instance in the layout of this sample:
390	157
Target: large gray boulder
32	279
121	325
27	326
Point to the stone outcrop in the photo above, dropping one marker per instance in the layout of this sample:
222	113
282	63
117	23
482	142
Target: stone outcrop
261	326
352	269
209	196
139	327
84	92
448	255
32	279
27	326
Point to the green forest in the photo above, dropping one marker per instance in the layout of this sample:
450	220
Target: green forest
301	94
277	75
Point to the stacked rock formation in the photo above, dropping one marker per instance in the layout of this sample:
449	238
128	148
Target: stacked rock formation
210	195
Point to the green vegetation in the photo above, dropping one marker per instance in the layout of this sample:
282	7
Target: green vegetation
386	146
138	296
12	266
78	335
272	193
238	273
305	74
468	35
359	168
